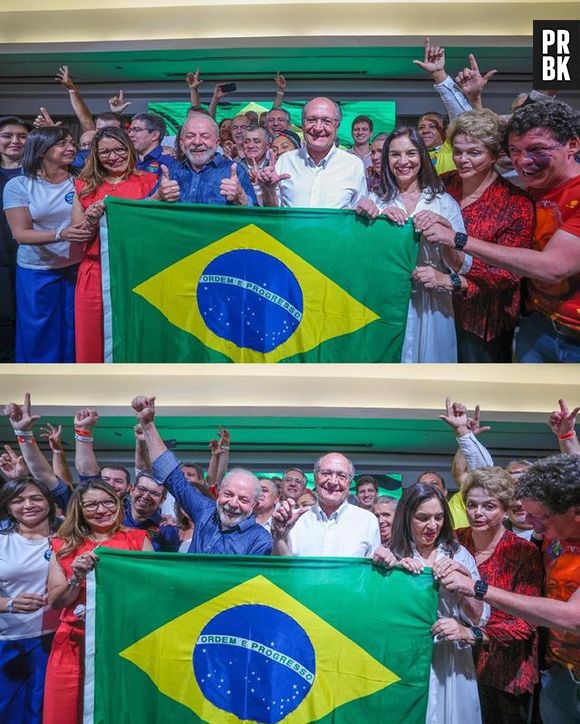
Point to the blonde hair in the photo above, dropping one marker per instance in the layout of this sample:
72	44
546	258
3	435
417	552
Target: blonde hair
483	126
74	529
495	481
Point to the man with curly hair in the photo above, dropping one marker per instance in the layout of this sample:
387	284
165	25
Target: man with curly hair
543	139
550	494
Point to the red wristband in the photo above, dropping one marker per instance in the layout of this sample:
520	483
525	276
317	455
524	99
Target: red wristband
567	436
83	432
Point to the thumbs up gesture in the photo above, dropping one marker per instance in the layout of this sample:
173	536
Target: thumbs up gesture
168	190
232	189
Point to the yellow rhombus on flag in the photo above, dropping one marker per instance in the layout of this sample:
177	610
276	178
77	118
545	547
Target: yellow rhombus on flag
343	670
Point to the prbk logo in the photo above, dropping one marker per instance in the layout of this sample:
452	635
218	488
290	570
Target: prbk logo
557	54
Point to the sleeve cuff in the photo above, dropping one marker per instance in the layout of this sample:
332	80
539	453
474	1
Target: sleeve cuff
164	466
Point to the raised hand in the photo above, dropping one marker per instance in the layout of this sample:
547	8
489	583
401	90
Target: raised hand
117	104
139	434
86	418
193	80
144	408
63	77
168	190
53	435
20	416
433	60
456	415
43	119
471	81
268	178
12	466
280	82
474	423
563	421
232	189
284	518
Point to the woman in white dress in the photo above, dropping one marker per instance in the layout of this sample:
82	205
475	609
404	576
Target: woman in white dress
422	537
414	191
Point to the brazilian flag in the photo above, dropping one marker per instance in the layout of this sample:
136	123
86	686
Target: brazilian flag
197	283
234	639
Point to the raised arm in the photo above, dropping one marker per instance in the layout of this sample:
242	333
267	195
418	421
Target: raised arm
466	431
79	107
451	95
85	459
280	90
562	423
12	465
22	421
472	82
193	82
142	461
59	463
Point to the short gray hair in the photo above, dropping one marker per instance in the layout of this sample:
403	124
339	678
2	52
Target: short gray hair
386	499
337	108
350	465
263	131
248	474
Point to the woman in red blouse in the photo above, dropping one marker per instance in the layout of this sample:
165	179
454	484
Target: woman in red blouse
506	660
487	306
109	171
93	519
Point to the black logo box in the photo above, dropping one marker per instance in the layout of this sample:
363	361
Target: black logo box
542	30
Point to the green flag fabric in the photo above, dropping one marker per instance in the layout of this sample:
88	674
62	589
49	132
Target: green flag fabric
190	638
197	283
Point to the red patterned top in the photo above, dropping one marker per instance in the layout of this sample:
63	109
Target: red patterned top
503	214
509	662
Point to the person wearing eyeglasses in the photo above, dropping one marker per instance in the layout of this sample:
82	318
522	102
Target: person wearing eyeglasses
146	132
142	511
318	175
110	170
332	527
94	518
293	484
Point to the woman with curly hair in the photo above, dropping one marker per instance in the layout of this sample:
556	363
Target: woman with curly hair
506	657
94	518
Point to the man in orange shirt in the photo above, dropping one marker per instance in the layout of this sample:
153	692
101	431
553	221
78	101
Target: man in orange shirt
542	141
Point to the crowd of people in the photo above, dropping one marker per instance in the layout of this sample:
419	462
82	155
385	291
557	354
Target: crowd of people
493	198
504	551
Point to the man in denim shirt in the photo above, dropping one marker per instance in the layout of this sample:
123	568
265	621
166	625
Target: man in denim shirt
204	176
225	526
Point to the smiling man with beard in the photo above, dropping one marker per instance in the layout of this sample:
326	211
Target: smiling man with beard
226	526
204	176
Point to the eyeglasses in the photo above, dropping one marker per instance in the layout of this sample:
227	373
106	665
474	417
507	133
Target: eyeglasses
92	506
300	481
137	129
326	122
120	152
535	153
142	490
343	477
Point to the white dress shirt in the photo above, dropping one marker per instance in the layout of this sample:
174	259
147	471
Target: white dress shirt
336	182
349	532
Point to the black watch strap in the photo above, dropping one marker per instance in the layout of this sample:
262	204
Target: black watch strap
477	634
455	280
460	240
480	589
